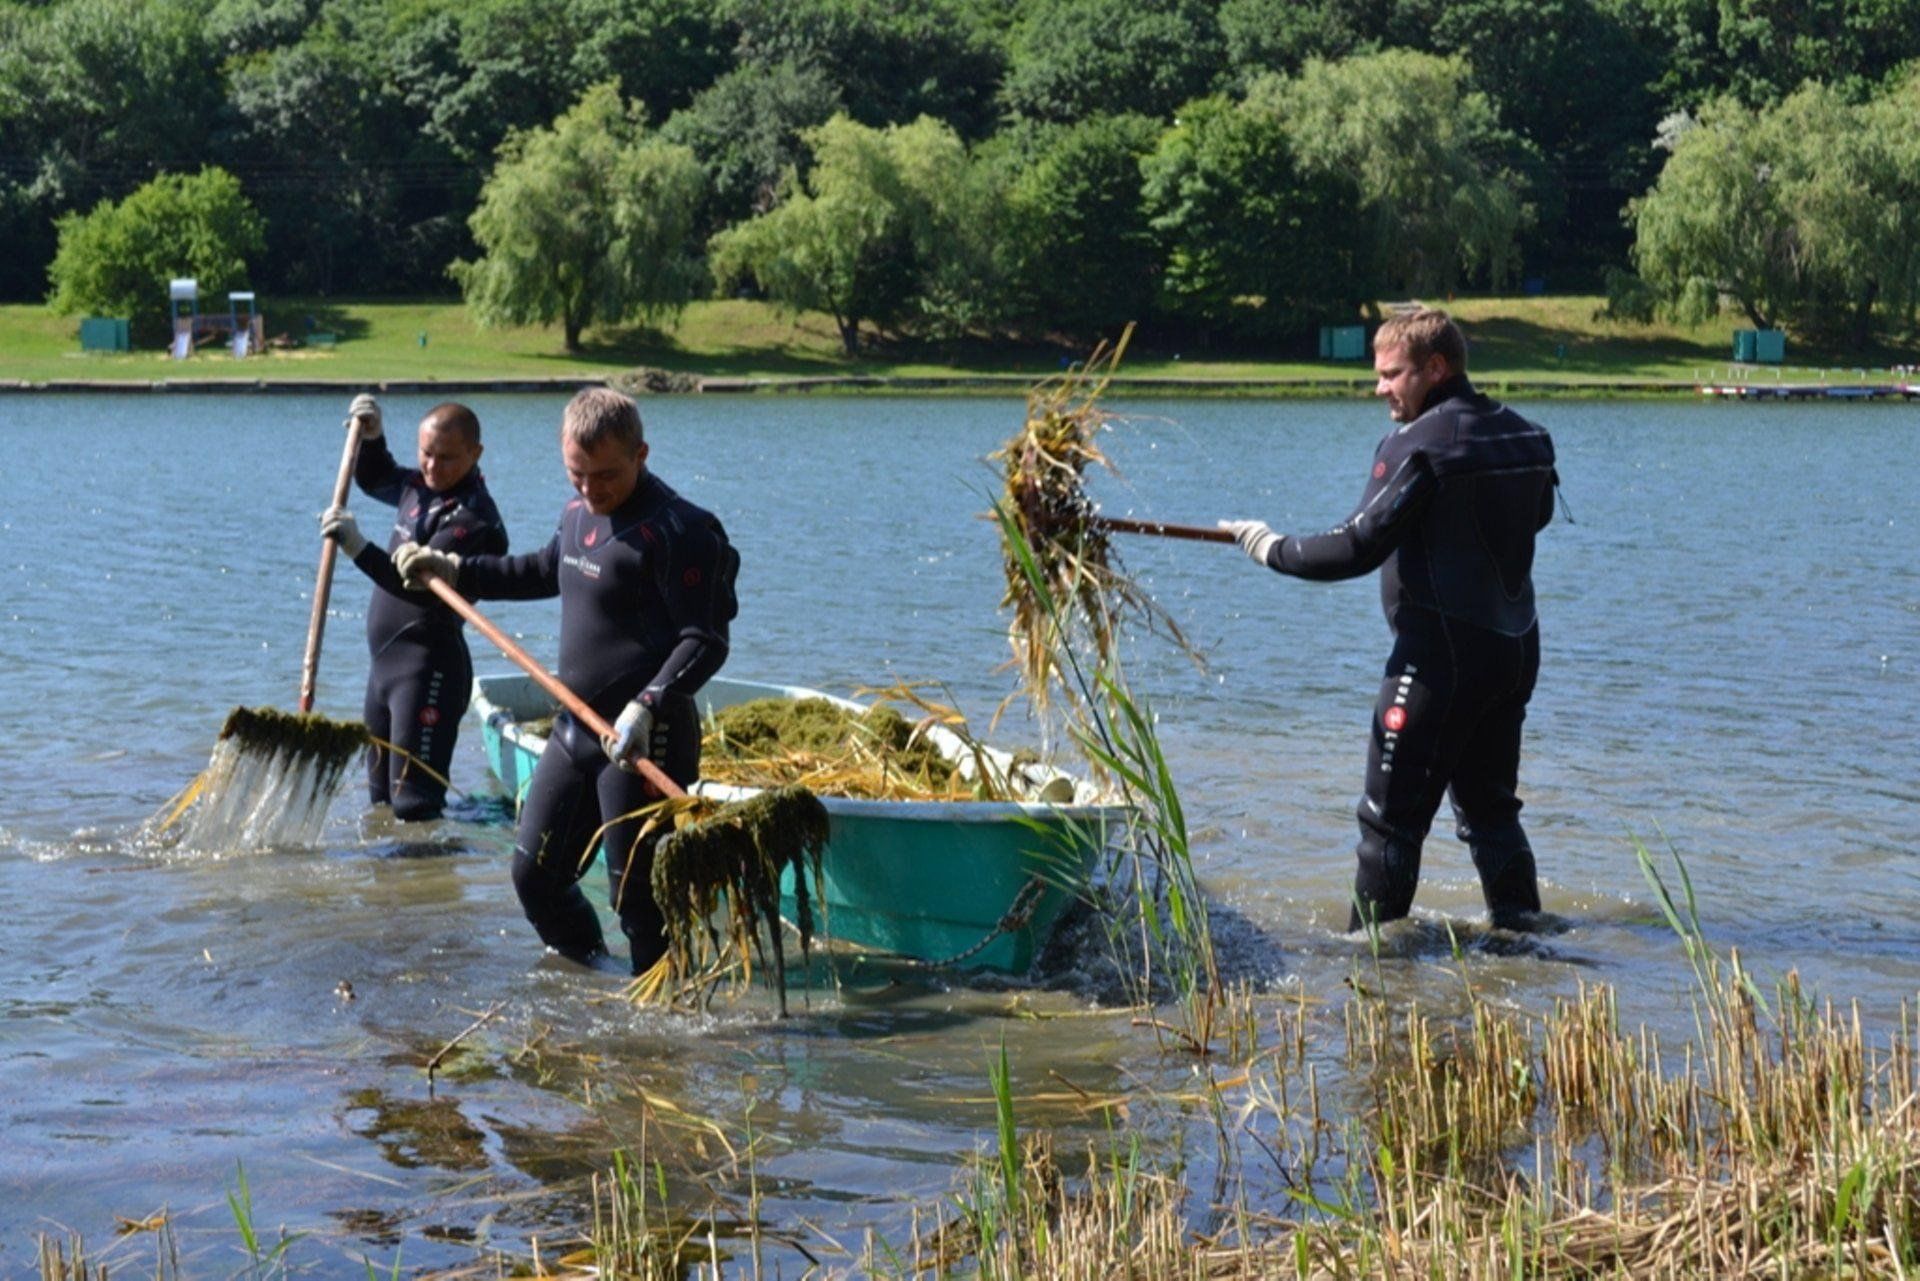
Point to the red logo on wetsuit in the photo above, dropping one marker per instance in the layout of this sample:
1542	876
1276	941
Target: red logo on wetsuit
692	577
593	536
429	716
1395	719
1379	470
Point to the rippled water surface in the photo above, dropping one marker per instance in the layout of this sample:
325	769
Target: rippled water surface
1729	620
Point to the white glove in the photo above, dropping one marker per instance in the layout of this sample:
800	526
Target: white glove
416	564
338	524
1256	537
367	410
632	732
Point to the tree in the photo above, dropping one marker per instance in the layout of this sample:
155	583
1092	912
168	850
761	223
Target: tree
1713	225
117	260
1435	172
1572	79
891	61
861	236
96	98
745	129
1281	35
1251	242
1805	213
586	222
1080	256
1076	58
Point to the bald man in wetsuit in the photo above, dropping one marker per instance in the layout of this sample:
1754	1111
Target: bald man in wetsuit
421	674
646	586
1448	516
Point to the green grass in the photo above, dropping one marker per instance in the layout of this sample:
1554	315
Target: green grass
1537	342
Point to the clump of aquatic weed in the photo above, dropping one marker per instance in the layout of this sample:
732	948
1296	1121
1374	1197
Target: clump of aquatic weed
729	866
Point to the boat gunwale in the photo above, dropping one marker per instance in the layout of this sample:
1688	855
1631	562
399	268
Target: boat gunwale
852	807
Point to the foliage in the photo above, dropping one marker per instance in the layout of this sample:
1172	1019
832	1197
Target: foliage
1250	241
1080	256
117	260
1076	58
1803	213
1434	169
745	130
860	235
587	222
891	61
1281	35
96	97
1571	78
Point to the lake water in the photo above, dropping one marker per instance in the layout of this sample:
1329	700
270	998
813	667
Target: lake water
1731	667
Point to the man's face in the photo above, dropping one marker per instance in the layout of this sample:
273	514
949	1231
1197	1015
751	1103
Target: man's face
446	456
1404	383
605	475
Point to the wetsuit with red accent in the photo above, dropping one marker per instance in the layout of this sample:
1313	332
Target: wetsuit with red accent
646	596
1448	516
421	674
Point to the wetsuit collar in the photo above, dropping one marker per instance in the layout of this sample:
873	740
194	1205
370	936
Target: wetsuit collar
1457	386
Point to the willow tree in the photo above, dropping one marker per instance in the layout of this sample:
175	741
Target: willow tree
587	222
1438	183
867	232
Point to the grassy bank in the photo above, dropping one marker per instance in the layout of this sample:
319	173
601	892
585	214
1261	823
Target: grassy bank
1549	343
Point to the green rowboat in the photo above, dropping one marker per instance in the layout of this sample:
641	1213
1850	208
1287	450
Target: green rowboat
967	884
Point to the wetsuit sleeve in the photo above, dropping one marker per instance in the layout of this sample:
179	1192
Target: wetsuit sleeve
697	585
1358	544
528	576
378	475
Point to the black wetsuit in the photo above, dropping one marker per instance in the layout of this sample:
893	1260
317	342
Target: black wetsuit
421	675
646	595
1448	516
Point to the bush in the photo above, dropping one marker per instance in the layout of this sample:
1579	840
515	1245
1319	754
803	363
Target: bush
117	260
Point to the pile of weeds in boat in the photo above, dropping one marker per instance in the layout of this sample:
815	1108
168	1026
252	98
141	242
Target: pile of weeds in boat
876	754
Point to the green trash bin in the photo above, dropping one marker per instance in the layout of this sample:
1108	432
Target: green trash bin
104	333
1769	346
1745	345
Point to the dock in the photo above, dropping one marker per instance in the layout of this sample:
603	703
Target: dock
1812	391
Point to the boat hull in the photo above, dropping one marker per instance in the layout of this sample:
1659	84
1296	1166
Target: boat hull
969	884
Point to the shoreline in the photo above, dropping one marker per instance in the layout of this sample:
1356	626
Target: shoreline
637	382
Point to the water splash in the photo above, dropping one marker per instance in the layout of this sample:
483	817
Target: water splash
249	798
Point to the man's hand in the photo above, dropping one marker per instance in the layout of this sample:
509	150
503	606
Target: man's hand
632	732
1256	537
416	564
338	524
367	410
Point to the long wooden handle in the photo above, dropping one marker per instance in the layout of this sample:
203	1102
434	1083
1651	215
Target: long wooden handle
1160	529
323	588
548	681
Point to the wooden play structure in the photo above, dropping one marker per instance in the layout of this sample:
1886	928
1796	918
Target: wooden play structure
241	328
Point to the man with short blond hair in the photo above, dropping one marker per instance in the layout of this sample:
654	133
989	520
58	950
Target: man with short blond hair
646	586
1448	515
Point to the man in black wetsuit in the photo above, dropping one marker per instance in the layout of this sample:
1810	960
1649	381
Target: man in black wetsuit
646	586
1448	516
421	675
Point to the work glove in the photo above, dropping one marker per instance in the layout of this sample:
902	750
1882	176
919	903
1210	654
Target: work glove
632	733
367	410
338	524
416	564
1256	537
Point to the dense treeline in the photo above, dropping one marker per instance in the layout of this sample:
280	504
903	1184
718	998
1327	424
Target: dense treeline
1228	167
